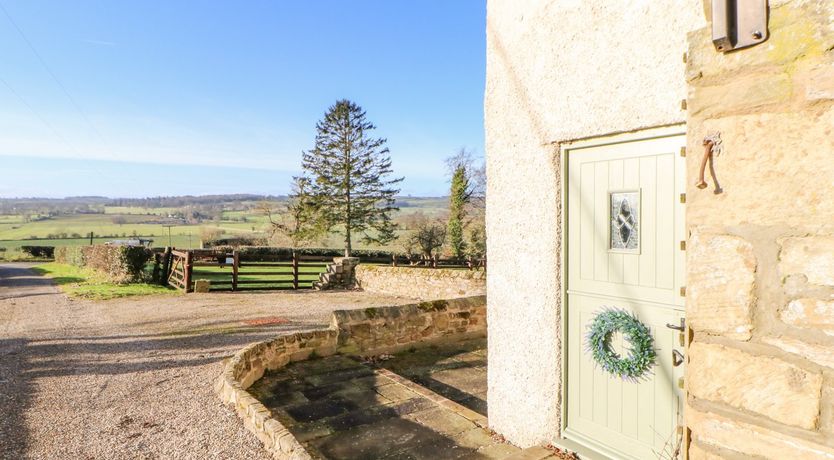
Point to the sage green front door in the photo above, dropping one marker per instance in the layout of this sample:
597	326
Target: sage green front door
625	226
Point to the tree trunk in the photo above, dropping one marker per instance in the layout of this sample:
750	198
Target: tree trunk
347	241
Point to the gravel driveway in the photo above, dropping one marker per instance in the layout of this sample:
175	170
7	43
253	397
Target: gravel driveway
132	378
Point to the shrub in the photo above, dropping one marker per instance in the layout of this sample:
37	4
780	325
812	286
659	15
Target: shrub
70	255
121	264
46	252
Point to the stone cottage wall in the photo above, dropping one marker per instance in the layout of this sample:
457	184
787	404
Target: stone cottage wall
760	261
421	283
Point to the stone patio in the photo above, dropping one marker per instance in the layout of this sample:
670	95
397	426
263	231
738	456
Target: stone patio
456	371
341	408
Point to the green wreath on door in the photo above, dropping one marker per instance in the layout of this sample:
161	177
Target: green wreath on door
641	355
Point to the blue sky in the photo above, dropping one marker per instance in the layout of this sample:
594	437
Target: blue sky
195	97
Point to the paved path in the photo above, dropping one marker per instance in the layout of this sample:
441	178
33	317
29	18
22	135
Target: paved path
341	409
132	378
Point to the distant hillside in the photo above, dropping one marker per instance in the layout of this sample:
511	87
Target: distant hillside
104	205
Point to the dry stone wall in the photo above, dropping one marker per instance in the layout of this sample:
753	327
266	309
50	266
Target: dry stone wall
760	372
249	365
389	329
421	283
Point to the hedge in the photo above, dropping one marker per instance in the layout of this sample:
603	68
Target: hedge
120	264
233	241
254	251
46	252
70	255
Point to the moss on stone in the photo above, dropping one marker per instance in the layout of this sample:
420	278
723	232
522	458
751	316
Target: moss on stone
435	305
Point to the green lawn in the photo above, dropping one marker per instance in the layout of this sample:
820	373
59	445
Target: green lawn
222	277
78	282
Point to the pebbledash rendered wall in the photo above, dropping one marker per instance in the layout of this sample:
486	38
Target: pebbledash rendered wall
558	71
760	254
760	258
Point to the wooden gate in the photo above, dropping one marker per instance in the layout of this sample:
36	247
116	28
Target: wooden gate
180	269
234	271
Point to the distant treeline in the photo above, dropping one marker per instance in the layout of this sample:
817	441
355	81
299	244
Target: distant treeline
38	208
96	204
189	200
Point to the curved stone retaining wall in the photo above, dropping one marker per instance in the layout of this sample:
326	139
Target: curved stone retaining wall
248	365
389	329
421	283
365	332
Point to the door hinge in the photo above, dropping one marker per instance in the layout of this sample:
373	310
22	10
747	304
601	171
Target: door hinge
683	197
683	291
683	151
683	245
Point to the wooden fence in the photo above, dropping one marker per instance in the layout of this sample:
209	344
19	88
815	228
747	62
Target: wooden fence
235	271
434	262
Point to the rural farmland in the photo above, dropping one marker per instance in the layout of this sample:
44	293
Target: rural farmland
67	223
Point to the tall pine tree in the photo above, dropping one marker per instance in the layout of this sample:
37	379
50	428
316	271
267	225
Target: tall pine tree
458	199
461	194
348	172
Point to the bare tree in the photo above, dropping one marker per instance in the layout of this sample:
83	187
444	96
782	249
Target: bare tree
428	237
297	220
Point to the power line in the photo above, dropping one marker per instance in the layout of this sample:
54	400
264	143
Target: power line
63	89
52	74
38	115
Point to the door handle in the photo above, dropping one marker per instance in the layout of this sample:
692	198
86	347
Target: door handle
677	358
681	328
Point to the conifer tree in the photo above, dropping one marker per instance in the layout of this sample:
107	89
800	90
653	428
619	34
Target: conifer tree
458	199
350	191
465	192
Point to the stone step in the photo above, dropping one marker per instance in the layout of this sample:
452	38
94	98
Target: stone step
533	453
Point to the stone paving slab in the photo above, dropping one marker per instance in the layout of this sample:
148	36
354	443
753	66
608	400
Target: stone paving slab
341	408
457	371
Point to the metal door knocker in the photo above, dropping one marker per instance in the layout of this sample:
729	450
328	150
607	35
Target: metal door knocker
713	146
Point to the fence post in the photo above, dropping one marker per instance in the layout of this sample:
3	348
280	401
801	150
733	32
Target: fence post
294	270
393	260
235	265
187	270
166	266
157	267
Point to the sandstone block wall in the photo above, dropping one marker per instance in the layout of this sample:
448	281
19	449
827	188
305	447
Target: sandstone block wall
760	256
249	365
389	329
421	283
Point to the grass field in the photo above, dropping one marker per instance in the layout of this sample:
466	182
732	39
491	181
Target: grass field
122	222
307	274
78	282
